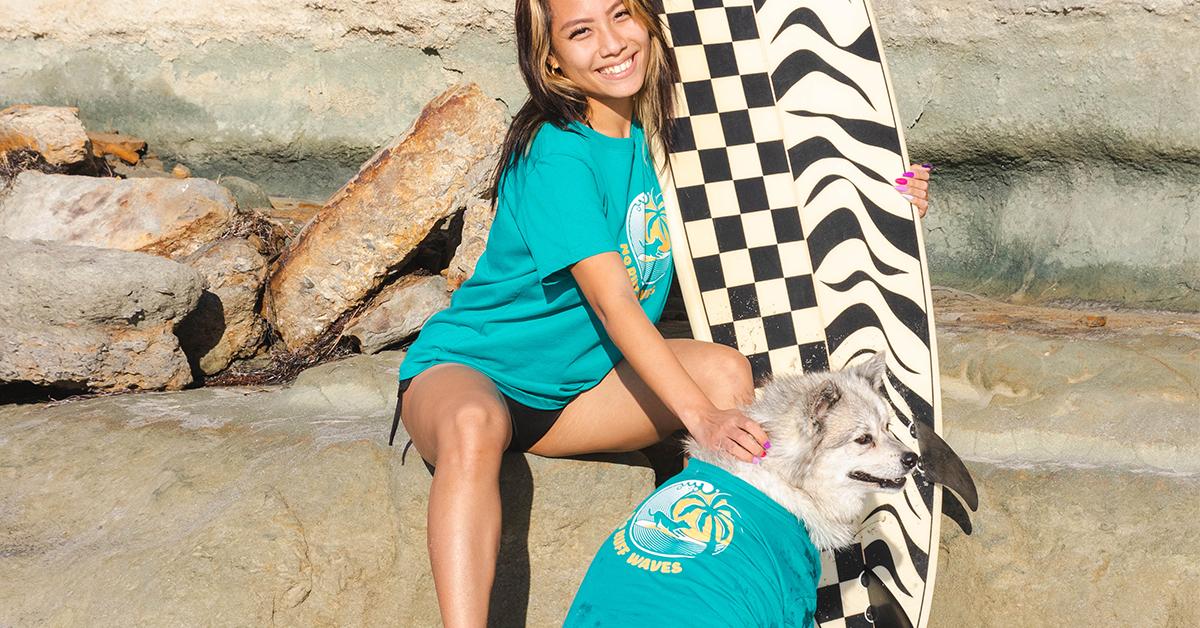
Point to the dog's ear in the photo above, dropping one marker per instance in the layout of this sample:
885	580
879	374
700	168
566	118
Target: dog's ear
873	370
826	395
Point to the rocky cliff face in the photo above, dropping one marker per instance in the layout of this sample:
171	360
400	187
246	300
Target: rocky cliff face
1064	132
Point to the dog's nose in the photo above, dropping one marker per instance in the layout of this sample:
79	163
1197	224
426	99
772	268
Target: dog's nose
909	460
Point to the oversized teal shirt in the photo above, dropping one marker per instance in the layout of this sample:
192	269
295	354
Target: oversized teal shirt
705	549
521	319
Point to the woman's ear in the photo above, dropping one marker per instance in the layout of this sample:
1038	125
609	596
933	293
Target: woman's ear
553	63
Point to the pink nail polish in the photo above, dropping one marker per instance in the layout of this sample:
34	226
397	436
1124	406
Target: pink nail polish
901	181
766	444
902	188
909	174
757	460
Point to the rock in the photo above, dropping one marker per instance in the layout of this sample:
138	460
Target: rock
247	193
284	504
291	213
1070	546
226	324
127	148
169	218
181	171
398	312
53	132
477	223
96	319
93	359
367	230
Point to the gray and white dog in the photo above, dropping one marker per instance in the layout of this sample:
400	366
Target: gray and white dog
708	549
830	448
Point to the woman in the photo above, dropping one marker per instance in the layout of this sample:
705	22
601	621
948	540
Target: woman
546	348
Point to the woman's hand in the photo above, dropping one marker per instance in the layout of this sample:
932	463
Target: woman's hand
729	431
914	186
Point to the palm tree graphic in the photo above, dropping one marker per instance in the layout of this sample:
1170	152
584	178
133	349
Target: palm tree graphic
712	509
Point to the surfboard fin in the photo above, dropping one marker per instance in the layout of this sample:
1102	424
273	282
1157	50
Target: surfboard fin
885	610
940	464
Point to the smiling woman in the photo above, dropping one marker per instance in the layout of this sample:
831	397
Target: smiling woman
550	347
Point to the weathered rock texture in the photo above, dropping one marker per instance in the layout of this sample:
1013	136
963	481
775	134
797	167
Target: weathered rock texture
226	324
162	217
398	311
94	319
252	506
55	133
1043	125
285	503
477	223
369	228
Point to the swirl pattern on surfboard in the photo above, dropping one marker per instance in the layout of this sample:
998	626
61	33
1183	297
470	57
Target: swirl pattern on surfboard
802	255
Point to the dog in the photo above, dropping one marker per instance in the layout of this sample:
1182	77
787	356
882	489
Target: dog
730	543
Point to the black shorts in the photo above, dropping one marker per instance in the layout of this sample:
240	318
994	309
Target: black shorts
529	425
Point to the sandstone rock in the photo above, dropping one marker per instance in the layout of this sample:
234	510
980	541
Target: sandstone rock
54	132
1069	546
370	226
477	223
285	505
398	312
226	324
247	193
127	148
181	171
291	213
169	218
99	359
96	319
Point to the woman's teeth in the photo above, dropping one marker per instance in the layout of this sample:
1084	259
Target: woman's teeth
617	69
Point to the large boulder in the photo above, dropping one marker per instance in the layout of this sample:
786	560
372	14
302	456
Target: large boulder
398	311
165	217
477	224
92	319
369	228
55	133
226	325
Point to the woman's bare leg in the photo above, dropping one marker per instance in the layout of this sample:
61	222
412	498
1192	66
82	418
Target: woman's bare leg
621	413
459	422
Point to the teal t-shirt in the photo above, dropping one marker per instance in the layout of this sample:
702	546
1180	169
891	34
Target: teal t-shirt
705	549
521	319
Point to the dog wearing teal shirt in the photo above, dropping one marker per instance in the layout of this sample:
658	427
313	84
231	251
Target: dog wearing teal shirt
728	543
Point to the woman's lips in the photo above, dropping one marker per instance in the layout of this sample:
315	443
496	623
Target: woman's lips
630	63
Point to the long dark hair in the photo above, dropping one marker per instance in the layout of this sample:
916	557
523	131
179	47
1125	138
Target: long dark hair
556	99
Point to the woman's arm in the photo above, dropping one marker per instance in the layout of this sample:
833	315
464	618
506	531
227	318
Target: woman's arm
605	284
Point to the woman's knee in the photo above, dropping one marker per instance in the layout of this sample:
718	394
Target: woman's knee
476	429
729	380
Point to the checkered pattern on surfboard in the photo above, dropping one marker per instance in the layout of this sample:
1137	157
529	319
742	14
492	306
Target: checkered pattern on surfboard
802	254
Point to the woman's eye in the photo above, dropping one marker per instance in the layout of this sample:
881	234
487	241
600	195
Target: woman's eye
865	439
622	13
578	31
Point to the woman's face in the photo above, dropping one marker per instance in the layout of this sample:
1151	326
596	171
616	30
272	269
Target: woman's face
599	46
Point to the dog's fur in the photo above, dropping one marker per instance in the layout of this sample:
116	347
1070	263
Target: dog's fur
815	468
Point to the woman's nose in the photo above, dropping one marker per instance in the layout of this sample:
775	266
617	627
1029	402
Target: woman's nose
611	42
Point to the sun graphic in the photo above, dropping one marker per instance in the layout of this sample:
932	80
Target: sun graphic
709	518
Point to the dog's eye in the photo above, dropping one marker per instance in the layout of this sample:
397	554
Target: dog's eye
865	439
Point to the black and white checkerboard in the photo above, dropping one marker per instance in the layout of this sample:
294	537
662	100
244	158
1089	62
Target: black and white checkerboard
791	245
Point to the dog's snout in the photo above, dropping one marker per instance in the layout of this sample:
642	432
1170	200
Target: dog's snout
909	460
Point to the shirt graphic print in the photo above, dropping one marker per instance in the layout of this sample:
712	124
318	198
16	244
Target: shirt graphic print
645	244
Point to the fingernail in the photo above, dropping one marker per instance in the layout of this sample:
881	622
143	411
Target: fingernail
757	460
902	181
927	166
766	444
907	196
902	188
909	174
